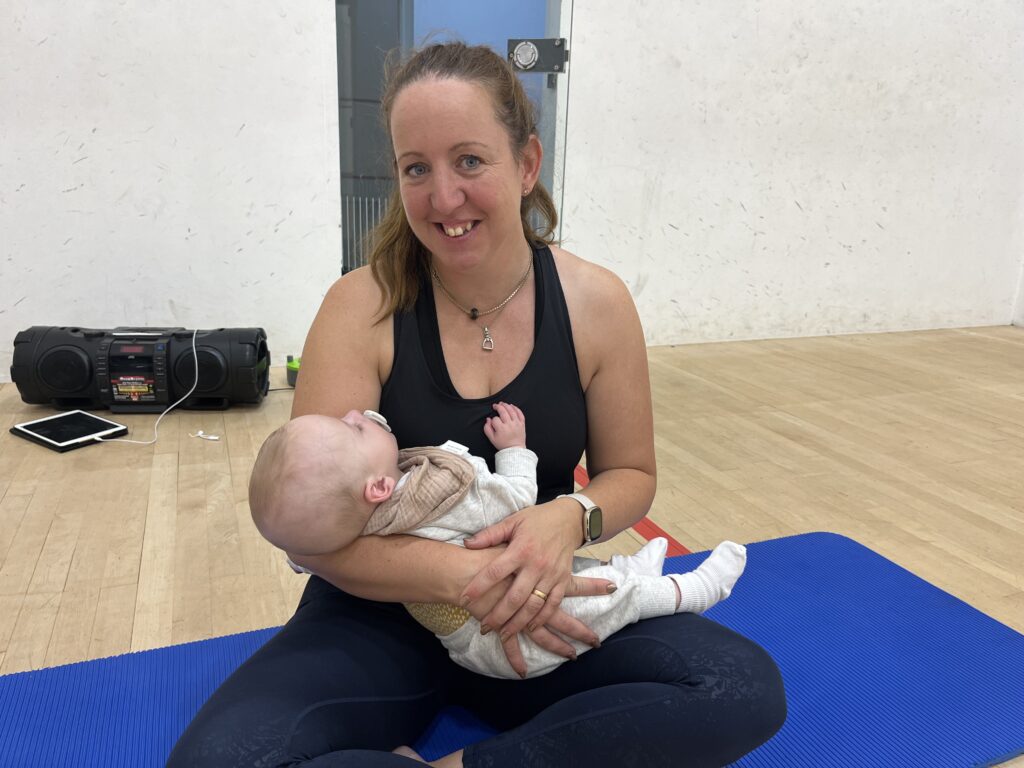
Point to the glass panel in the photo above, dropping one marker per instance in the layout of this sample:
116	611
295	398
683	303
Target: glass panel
368	29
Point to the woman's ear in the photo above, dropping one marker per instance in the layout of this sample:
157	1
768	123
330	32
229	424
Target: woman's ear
379	489
533	156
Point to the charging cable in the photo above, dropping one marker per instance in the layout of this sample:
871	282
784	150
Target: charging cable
156	426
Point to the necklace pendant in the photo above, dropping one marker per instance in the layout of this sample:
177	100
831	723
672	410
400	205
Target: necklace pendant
488	343
474	313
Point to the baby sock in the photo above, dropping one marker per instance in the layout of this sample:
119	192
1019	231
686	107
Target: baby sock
648	561
713	579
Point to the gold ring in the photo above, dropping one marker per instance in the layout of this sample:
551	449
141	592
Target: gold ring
542	595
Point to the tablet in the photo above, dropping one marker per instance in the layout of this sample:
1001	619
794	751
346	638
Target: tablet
66	431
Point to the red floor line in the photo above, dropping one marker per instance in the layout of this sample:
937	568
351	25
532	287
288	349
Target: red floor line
646	527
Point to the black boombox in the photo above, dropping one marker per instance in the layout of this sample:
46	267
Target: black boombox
140	370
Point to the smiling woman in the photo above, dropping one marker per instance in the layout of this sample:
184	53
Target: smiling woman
461	184
351	676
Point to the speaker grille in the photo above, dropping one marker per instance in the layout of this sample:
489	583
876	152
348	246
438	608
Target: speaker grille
213	371
65	370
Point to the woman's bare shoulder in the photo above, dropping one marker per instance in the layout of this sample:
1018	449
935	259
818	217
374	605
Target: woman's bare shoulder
354	292
601	311
348	351
589	287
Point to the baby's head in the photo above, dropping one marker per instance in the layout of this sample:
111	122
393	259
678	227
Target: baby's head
317	479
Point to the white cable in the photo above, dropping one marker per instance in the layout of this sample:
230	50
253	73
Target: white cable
195	359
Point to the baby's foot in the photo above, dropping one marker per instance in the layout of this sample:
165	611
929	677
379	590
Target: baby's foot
713	579
646	562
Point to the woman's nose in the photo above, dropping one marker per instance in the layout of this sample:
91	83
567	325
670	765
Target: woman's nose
447	194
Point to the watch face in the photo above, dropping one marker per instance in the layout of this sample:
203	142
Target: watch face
595	524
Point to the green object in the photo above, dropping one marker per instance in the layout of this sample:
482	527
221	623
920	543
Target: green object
293	369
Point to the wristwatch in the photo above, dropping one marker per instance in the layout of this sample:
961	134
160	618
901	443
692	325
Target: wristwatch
592	517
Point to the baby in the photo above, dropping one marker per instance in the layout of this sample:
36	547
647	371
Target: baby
319	482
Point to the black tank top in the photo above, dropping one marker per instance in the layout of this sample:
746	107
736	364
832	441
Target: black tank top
423	408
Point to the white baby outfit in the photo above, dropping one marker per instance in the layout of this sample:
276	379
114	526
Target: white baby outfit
492	497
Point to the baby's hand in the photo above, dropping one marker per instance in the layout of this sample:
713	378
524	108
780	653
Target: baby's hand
507	429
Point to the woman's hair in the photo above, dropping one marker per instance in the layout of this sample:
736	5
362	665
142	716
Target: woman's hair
397	258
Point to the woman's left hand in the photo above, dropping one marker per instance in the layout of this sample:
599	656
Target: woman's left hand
541	542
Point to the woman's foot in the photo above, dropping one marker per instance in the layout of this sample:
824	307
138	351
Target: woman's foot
454	760
408	752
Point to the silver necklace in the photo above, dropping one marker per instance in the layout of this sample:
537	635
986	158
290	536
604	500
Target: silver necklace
473	313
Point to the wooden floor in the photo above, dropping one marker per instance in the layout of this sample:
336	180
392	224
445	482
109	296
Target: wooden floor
912	443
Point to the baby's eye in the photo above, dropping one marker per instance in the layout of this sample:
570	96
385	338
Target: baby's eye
471	162
415	170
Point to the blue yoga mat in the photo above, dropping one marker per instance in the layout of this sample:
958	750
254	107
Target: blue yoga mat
881	669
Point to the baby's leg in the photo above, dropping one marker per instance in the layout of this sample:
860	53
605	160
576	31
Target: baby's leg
713	579
639	596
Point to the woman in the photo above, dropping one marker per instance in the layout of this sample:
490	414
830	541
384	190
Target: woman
465	305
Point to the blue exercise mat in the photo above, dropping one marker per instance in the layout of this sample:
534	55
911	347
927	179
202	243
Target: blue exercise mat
881	669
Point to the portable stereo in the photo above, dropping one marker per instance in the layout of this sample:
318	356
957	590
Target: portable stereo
140	370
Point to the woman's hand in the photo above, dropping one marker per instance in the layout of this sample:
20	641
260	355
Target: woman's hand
547	636
541	542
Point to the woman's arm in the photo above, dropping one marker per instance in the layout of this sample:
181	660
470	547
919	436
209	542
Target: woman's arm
612	357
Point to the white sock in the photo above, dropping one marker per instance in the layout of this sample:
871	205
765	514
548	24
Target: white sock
648	561
713	579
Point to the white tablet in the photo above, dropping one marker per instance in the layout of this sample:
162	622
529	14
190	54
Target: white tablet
66	431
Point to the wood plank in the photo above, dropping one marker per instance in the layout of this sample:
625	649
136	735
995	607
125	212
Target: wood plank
30	638
154	599
112	629
72	631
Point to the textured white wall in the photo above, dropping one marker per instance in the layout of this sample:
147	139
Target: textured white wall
167	163
800	167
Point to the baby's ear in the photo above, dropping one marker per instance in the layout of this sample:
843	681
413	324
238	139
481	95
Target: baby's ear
379	489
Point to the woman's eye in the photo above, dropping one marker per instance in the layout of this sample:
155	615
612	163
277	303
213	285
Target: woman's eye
416	170
471	162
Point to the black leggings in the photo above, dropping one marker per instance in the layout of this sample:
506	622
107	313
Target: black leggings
347	680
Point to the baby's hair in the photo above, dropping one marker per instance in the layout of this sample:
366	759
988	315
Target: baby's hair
297	498
261	484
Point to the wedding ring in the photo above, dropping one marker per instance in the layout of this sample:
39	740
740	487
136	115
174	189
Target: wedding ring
542	595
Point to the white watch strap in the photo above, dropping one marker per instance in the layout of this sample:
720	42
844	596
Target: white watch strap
587	503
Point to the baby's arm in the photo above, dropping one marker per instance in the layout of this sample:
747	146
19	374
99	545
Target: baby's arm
515	466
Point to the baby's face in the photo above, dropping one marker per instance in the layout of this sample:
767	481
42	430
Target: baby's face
366	436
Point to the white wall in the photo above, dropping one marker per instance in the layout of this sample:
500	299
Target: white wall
167	163
1018	311
800	167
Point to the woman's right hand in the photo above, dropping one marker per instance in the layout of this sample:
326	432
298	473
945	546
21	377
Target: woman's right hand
546	636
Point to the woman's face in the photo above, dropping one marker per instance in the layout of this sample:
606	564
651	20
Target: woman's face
461	185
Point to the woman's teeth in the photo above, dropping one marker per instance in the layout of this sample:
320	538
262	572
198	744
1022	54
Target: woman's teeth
458	231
